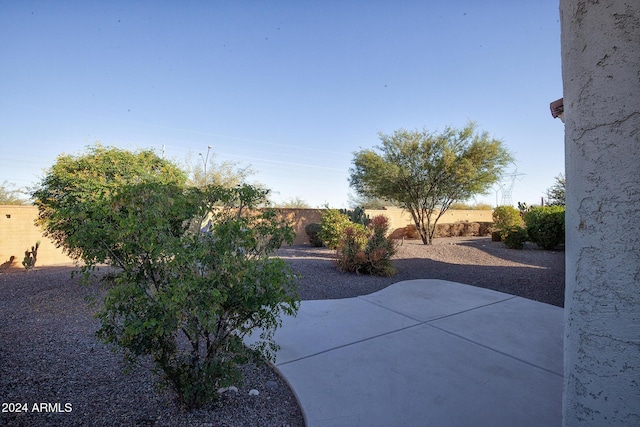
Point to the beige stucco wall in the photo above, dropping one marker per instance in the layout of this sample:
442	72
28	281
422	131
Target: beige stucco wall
399	218
299	218
18	233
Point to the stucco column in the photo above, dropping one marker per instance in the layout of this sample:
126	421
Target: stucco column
601	77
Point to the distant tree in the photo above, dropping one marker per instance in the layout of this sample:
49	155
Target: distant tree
294	203
357	200
474	207
425	172
10	196
205	170
556	193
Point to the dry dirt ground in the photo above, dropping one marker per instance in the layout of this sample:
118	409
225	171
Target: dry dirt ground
53	371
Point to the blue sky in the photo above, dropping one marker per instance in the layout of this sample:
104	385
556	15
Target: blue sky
292	88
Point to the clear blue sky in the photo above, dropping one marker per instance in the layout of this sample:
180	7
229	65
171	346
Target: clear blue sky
291	88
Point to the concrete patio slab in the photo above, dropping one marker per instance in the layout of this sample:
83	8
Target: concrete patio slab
431	299
405	356
524	329
328	324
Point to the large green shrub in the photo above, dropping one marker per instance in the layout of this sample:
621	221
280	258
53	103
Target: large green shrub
333	224
367	252
506	217
179	295
545	225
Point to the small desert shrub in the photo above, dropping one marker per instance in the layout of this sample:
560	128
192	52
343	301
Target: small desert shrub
312	230
545	225
514	237
505	217
367	252
463	228
496	236
350	256
333	224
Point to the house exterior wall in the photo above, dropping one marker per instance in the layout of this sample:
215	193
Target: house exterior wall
601	78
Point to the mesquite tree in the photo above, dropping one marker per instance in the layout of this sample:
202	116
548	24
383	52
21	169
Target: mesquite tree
425	172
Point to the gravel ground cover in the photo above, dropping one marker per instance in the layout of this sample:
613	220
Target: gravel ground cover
51	361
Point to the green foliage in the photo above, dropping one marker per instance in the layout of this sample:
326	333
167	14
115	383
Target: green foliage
506	217
30	257
367	251
204	170
514	237
333	224
365	202
10	196
557	192
425	172
350	254
73	197
357	215
183	297
313	230
294	203
545	225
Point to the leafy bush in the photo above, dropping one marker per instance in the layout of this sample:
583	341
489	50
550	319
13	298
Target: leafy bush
187	299
333	224
514	237
181	296
506	217
545	225
367	251
350	255
313	229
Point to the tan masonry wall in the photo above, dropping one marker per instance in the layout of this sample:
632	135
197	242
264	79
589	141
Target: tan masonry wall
399	218
299	218
18	231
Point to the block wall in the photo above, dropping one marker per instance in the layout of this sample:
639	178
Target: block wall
399	218
18	233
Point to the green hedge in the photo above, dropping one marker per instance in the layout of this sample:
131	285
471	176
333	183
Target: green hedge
545	225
